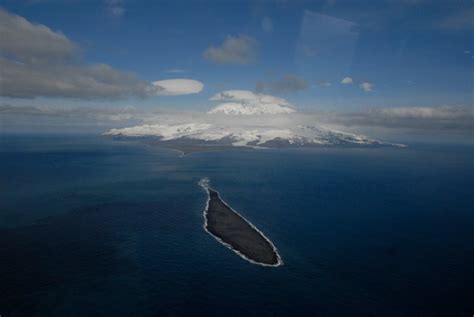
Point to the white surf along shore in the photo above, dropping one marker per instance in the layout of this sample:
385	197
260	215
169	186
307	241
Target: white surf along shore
204	183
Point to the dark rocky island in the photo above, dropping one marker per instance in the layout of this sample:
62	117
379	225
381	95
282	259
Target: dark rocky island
235	232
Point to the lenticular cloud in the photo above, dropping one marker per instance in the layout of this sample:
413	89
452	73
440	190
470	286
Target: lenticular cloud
175	87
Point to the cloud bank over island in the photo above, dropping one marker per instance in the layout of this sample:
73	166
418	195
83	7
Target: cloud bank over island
244	110
247	117
250	119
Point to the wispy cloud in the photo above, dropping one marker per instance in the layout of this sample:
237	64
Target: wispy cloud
366	86
115	8
323	83
422	118
175	71
239	49
88	115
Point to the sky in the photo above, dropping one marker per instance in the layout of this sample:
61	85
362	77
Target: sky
331	56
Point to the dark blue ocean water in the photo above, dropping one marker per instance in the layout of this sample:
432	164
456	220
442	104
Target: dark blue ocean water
95	227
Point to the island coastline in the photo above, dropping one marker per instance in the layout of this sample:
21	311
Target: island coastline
234	245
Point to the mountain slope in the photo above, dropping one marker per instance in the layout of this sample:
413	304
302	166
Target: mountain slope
245	118
253	136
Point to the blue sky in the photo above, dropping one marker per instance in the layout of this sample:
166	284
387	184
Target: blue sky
412	53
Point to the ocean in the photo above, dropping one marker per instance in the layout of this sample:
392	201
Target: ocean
91	226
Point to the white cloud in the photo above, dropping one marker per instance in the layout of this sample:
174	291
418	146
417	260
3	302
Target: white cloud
267	24
36	61
234	50
347	81
175	71
245	102
366	86
174	87
323	83
248	96
114	8
442	113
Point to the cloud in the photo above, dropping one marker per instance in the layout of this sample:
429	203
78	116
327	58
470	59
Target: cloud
347	81
426	112
439	124
323	83
267	24
234	50
116	114
289	83
25	42
174	87
42	118
248	96
175	71
38	62
245	102
443	118
114	8
422	118
450	123
366	86
60	80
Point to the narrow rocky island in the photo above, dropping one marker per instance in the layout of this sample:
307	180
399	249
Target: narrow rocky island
235	232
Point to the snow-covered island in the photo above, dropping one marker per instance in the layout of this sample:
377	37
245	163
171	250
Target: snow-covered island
245	119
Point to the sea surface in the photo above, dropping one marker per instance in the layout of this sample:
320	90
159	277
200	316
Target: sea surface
90	226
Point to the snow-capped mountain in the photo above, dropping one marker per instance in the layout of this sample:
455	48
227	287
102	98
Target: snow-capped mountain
245	119
258	136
